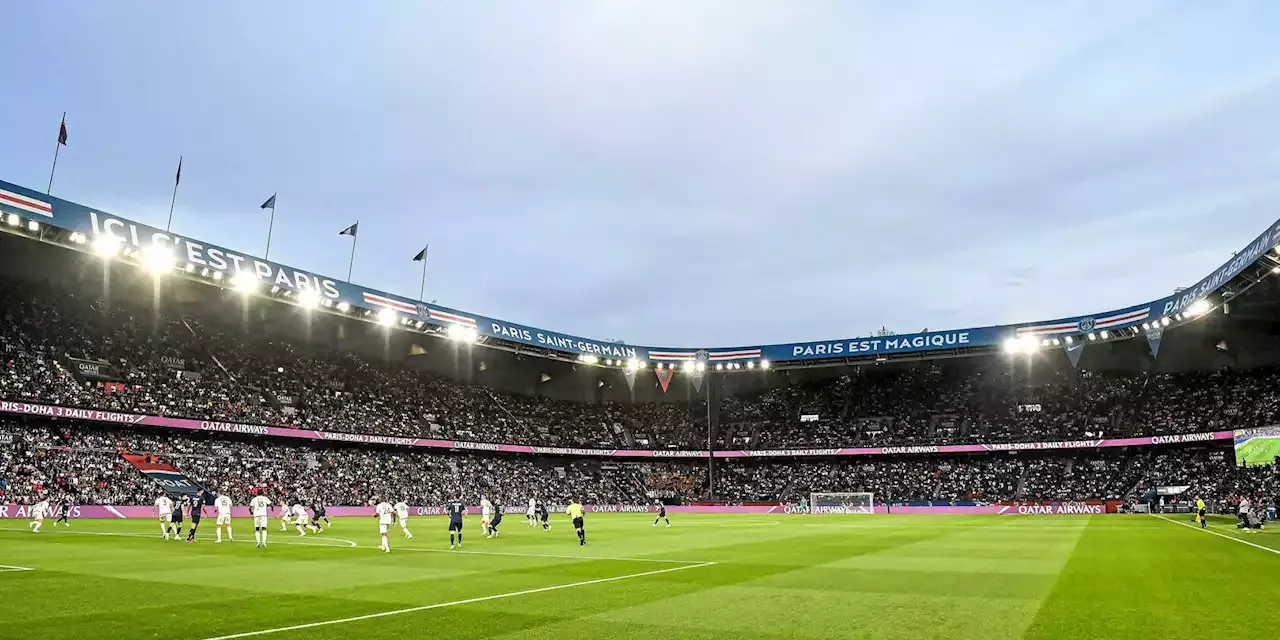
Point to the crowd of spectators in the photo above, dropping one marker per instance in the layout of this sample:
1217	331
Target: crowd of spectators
84	461
216	368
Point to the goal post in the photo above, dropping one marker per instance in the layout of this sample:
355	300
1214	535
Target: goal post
858	502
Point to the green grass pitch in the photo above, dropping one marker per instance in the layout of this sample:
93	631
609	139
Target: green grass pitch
1258	451
910	577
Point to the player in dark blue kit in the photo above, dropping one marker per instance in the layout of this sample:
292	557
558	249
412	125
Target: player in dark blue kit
67	505
175	519
497	520
197	510
320	515
544	515
457	511
662	513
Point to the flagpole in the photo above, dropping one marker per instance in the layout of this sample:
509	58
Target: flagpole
57	143
270	225
423	287
351	265
174	199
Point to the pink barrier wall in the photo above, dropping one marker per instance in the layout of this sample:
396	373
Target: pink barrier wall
1064	508
26	408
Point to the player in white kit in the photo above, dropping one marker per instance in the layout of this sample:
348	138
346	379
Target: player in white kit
301	519
532	514
164	511
260	507
402	516
384	513
223	504
38	512
486	514
284	516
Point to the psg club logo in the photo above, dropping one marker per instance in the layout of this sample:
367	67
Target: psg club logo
1086	325
423	312
702	355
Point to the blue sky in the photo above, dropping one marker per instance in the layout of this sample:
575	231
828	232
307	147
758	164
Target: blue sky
678	173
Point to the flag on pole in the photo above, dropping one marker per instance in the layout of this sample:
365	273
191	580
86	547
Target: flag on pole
62	132
177	179
270	203
422	255
350	231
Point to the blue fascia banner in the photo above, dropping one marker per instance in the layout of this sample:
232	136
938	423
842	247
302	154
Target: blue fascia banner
74	217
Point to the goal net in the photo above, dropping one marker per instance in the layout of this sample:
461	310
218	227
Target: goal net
841	503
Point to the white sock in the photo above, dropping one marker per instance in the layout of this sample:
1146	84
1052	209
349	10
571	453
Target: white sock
219	530
229	536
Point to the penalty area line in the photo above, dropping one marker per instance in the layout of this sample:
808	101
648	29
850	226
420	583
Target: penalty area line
6	568
442	605
1220	535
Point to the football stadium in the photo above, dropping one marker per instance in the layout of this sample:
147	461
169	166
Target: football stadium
199	441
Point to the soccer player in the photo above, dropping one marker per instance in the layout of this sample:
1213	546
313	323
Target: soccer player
1200	512
486	514
495	522
575	512
197	511
67	505
457	513
284	515
662	513
38	512
384	512
260	506
223	504
164	511
402	516
320	515
545	515
182	507
301	519
532	514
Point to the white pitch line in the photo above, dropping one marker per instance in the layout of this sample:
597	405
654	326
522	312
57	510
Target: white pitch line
544	555
441	605
151	535
1220	535
5	568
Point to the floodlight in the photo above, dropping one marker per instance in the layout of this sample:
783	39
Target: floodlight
107	246
386	317
14	220
688	365
751	364
764	364
245	282
720	366
1164	322
344	306
1104	334
463	333
78	238
308	299
1093	336
157	259
1199	308
32	225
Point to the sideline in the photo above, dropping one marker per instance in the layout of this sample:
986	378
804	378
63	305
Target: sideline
441	605
1220	535
7	568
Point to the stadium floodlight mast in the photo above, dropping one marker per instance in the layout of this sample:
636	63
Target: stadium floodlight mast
245	282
